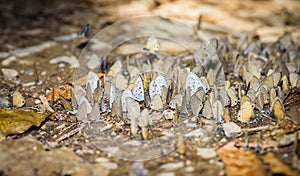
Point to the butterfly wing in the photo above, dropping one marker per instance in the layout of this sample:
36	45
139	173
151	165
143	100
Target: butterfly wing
138	89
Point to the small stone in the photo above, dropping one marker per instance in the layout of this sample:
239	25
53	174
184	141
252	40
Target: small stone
8	60
189	169
172	166
167	174
198	132
231	129
9	74
101	159
137	169
168	114
133	143
4	103
66	59
37	101
94	62
109	165
4	54
206	153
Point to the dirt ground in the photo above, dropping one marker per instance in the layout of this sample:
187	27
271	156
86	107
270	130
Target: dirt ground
58	146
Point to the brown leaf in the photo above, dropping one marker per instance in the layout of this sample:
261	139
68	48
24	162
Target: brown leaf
276	166
18	121
64	91
240	162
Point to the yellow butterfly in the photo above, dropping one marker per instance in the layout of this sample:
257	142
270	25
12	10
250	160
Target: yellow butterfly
278	109
152	44
246	111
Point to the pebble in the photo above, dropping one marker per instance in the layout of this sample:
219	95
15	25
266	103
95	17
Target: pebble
22	52
231	129
4	103
109	165
66	37
172	166
197	132
168	114
137	169
8	60
133	143
67	59
94	62
167	174
206	153
4	54
189	169
9	74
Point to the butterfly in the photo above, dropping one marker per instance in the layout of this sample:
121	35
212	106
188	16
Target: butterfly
246	111
92	79
126	94
138	89
121	82
144	121
278	109
18	99
194	82
211	48
196	105
259	101
112	95
152	44
88	105
115	68
98	93
81	114
133	113
224	98
86	30
233	96
272	96
294	79
176	100
218	110
155	86
156	103
95	113
207	110
254	83
89	94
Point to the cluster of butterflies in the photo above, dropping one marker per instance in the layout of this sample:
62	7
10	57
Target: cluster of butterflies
257	80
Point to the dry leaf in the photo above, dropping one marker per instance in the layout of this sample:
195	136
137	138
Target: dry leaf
276	166
18	121
240	162
64	91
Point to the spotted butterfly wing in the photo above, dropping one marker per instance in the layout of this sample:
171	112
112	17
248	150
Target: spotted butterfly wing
138	89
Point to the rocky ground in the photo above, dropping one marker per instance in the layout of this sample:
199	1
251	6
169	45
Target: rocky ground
40	49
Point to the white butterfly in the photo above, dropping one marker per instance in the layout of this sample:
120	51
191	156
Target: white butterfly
194	82
138	89
112	95
211	48
152	44
156	85
92	79
126	94
88	105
